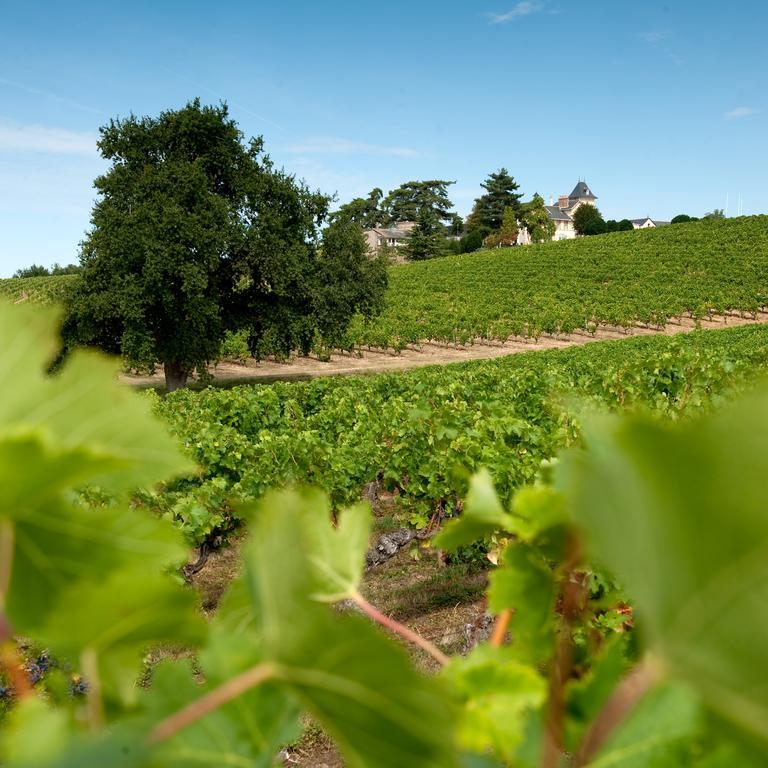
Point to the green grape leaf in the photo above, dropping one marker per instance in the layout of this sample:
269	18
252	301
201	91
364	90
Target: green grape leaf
536	509
660	732
355	681
59	546
496	693
338	554
248	730
483	514
118	618
35	735
525	584
83	408
678	513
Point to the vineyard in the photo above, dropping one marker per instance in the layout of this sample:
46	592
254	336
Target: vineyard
619	279
626	595
420	435
36	290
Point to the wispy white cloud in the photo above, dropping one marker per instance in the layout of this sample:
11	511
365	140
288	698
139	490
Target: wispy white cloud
654	37
17	137
336	146
63	100
521	9
740	112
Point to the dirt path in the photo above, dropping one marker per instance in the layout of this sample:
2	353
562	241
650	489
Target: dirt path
430	353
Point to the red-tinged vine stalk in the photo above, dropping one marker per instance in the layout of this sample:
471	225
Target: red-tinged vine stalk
216	698
500	628
400	629
572	595
10	660
621	702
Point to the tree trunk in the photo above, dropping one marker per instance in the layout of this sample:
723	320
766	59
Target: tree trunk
175	376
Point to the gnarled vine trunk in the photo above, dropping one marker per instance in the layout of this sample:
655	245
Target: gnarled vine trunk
175	376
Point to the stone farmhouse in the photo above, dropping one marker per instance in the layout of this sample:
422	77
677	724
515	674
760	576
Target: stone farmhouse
392	237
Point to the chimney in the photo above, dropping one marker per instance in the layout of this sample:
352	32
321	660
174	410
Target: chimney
562	202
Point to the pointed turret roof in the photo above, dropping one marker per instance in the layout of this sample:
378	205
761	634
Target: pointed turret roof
582	192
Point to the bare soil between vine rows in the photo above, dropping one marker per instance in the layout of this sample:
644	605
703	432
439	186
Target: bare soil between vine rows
369	361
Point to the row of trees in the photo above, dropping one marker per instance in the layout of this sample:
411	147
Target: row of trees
37	270
497	216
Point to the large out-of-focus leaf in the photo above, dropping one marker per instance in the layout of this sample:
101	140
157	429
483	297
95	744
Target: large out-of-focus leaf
248	730
496	692
357	682
82	407
337	554
483	514
37	736
81	577
525	585
659	733
680	515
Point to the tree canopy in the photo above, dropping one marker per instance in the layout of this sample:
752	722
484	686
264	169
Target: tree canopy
195	233
624	225
425	240
587	220
419	201
364	211
500	194
683	218
506	235
536	220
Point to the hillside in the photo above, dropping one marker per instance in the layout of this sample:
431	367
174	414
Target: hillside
622	278
37	290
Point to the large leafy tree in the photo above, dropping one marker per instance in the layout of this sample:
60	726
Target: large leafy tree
419	201
425	240
587	220
536	220
506	235
500	193
195	233
365	211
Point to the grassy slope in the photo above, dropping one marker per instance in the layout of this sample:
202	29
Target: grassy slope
621	278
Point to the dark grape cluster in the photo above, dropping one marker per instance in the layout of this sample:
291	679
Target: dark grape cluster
78	686
5	692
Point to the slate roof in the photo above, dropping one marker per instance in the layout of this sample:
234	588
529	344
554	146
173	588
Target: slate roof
656	222
557	214
397	234
580	191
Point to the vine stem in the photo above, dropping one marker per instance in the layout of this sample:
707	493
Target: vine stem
89	664
400	629
211	701
500	628
572	597
624	698
7	536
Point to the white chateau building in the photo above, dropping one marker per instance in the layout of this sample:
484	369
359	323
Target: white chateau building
567	205
562	213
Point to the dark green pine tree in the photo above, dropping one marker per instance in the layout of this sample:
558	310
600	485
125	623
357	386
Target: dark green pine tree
500	193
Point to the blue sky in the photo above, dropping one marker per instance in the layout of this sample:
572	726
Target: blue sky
660	106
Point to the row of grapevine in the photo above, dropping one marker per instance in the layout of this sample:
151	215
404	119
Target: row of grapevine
623	278
36	290
675	511
422	433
